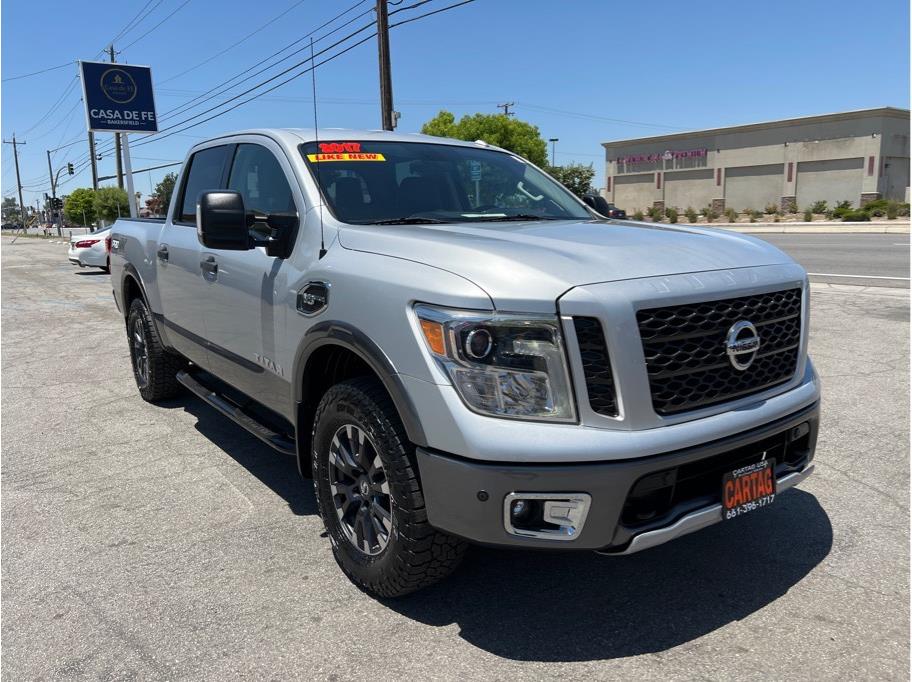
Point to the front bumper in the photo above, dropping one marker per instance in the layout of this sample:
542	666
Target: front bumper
466	497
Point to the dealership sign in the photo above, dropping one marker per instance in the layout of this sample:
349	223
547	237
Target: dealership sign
118	98
667	155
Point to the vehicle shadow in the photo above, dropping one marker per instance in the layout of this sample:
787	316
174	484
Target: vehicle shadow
276	471
579	606
532	606
89	273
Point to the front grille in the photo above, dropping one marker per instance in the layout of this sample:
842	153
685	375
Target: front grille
684	347
596	366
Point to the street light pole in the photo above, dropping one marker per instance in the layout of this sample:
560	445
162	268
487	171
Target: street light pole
553	141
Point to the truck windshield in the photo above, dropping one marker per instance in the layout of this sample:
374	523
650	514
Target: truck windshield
389	183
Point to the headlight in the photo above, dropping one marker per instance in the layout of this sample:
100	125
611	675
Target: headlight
502	365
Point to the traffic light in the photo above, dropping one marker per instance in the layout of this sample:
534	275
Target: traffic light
70	170
57	203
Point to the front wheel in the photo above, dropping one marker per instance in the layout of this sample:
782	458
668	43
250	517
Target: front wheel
369	495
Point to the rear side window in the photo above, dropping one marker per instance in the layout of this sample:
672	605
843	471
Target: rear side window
205	173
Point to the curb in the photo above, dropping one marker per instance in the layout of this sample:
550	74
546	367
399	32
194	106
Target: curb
815	228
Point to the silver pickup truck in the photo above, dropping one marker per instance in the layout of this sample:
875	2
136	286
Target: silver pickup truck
457	350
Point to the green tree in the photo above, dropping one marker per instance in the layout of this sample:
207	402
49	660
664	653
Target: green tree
508	132
574	176
10	210
79	207
163	192
111	203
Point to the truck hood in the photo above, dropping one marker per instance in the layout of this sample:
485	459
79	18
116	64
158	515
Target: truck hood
527	266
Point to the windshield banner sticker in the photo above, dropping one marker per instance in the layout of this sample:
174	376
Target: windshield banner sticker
343	151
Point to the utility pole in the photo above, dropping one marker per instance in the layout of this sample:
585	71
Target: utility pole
553	141
120	179
506	107
386	79
53	192
18	181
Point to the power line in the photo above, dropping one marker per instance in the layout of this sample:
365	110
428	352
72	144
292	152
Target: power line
235	44
135	21
221	86
35	73
577	114
107	147
427	14
146	34
278	85
55	105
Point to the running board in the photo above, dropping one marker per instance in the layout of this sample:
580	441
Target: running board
235	413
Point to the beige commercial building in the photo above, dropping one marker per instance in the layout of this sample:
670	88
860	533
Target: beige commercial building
856	156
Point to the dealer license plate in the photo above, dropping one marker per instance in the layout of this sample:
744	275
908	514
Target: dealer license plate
748	488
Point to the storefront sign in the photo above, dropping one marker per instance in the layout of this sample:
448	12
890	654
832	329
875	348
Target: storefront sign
667	155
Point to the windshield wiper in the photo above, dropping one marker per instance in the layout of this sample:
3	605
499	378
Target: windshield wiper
409	220
517	216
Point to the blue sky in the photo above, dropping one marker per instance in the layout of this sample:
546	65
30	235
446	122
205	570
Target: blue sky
575	68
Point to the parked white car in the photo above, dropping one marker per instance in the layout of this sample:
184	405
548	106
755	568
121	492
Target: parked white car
92	250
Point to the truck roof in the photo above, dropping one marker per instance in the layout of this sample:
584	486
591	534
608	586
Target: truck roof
295	136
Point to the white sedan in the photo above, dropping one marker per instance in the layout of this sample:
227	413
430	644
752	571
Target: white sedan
92	250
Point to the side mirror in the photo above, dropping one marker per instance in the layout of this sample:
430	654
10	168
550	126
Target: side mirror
597	203
221	221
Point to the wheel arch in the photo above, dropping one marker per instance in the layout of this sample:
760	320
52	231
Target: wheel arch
333	351
131	287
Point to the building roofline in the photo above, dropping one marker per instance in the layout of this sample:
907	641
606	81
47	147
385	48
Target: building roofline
894	112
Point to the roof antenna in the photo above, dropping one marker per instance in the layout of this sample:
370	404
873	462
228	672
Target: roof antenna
313	80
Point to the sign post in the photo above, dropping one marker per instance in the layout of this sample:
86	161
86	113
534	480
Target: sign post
119	99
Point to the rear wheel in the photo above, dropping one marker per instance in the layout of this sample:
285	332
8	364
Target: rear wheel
154	368
369	495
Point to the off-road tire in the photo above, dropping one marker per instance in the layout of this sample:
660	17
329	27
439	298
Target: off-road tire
416	555
163	365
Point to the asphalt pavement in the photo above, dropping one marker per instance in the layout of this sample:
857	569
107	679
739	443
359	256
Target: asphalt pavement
164	542
861	259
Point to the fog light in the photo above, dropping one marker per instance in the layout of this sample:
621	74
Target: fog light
555	516
520	507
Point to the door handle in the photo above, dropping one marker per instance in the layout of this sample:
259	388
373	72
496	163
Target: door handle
209	266
162	252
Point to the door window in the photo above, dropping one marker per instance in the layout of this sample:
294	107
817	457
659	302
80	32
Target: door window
257	175
204	173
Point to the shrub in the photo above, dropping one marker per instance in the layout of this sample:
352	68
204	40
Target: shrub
691	214
844	204
878	207
756	215
819	207
792	207
892	209
655	213
841	210
772	208
776	218
732	215
638	215
808	215
709	214
856	216
671	214
829	214
903	209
